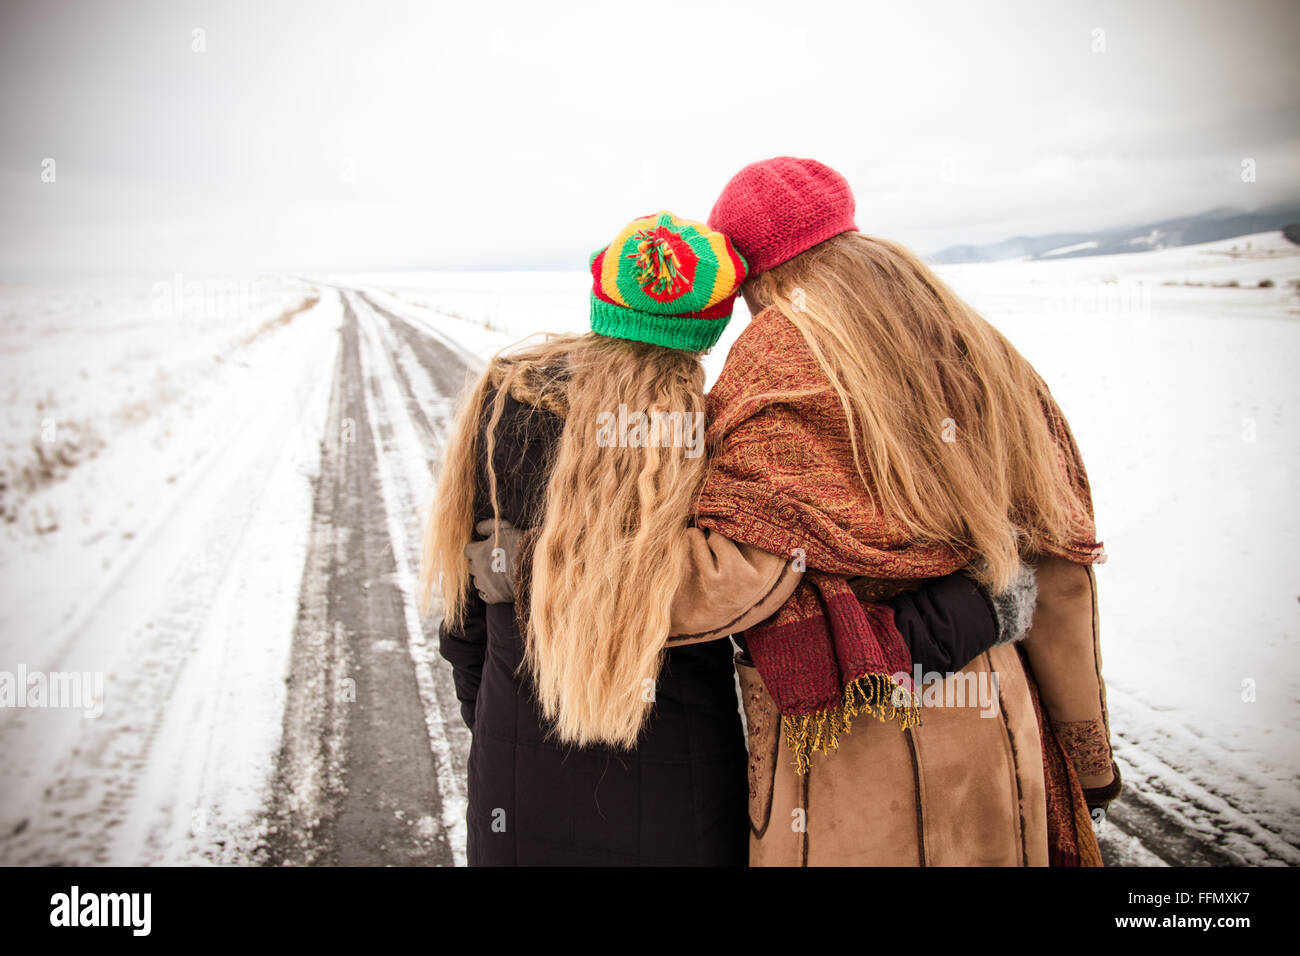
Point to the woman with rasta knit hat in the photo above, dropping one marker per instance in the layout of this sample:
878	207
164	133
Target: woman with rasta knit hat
602	696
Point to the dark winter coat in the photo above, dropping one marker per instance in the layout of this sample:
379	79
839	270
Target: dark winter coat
681	797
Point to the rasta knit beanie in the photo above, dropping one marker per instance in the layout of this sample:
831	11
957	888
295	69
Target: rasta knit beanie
666	281
775	209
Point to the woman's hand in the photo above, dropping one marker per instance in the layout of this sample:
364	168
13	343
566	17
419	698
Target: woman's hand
492	560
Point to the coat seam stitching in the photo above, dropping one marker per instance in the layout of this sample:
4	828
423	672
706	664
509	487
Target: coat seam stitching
920	805
807	780
724	630
1015	768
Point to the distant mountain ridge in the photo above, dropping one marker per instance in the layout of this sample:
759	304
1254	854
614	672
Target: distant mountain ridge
1221	223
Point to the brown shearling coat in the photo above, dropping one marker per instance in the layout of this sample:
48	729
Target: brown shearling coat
964	789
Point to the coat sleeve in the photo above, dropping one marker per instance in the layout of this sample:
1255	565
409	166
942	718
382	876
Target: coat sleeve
727	588
730	587
947	622
465	647
1064	652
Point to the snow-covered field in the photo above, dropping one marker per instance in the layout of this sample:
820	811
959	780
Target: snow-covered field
158	451
158	447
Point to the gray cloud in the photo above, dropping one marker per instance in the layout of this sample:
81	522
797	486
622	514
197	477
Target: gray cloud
332	135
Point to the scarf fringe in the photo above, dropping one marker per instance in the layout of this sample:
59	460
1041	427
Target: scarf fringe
870	694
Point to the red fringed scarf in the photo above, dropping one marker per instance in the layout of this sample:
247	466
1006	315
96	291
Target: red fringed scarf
831	658
782	478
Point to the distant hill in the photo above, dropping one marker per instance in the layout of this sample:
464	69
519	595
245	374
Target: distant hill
1221	223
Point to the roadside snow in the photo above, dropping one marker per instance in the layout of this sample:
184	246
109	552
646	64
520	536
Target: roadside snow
172	565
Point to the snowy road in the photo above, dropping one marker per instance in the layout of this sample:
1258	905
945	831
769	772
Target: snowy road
373	760
1168	815
271	693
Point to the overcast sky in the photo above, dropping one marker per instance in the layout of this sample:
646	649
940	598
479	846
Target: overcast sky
375	135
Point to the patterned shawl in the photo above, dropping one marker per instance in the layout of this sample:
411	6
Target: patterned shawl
782	478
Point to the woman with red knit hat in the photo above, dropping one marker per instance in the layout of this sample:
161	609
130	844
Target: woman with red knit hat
870	420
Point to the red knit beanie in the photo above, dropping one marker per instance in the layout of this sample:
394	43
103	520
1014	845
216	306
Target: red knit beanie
775	209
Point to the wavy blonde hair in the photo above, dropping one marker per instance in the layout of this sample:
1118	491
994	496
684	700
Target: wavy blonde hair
913	364
609	552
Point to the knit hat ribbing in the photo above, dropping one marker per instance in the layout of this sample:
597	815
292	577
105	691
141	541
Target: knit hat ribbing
775	209
667	281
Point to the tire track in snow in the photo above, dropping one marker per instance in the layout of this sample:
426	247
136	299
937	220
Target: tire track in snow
1187	817
407	490
433	375
343	795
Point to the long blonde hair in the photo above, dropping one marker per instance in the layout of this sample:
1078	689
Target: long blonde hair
947	419
609	552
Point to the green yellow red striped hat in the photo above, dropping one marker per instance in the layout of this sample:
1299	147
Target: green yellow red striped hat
667	281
